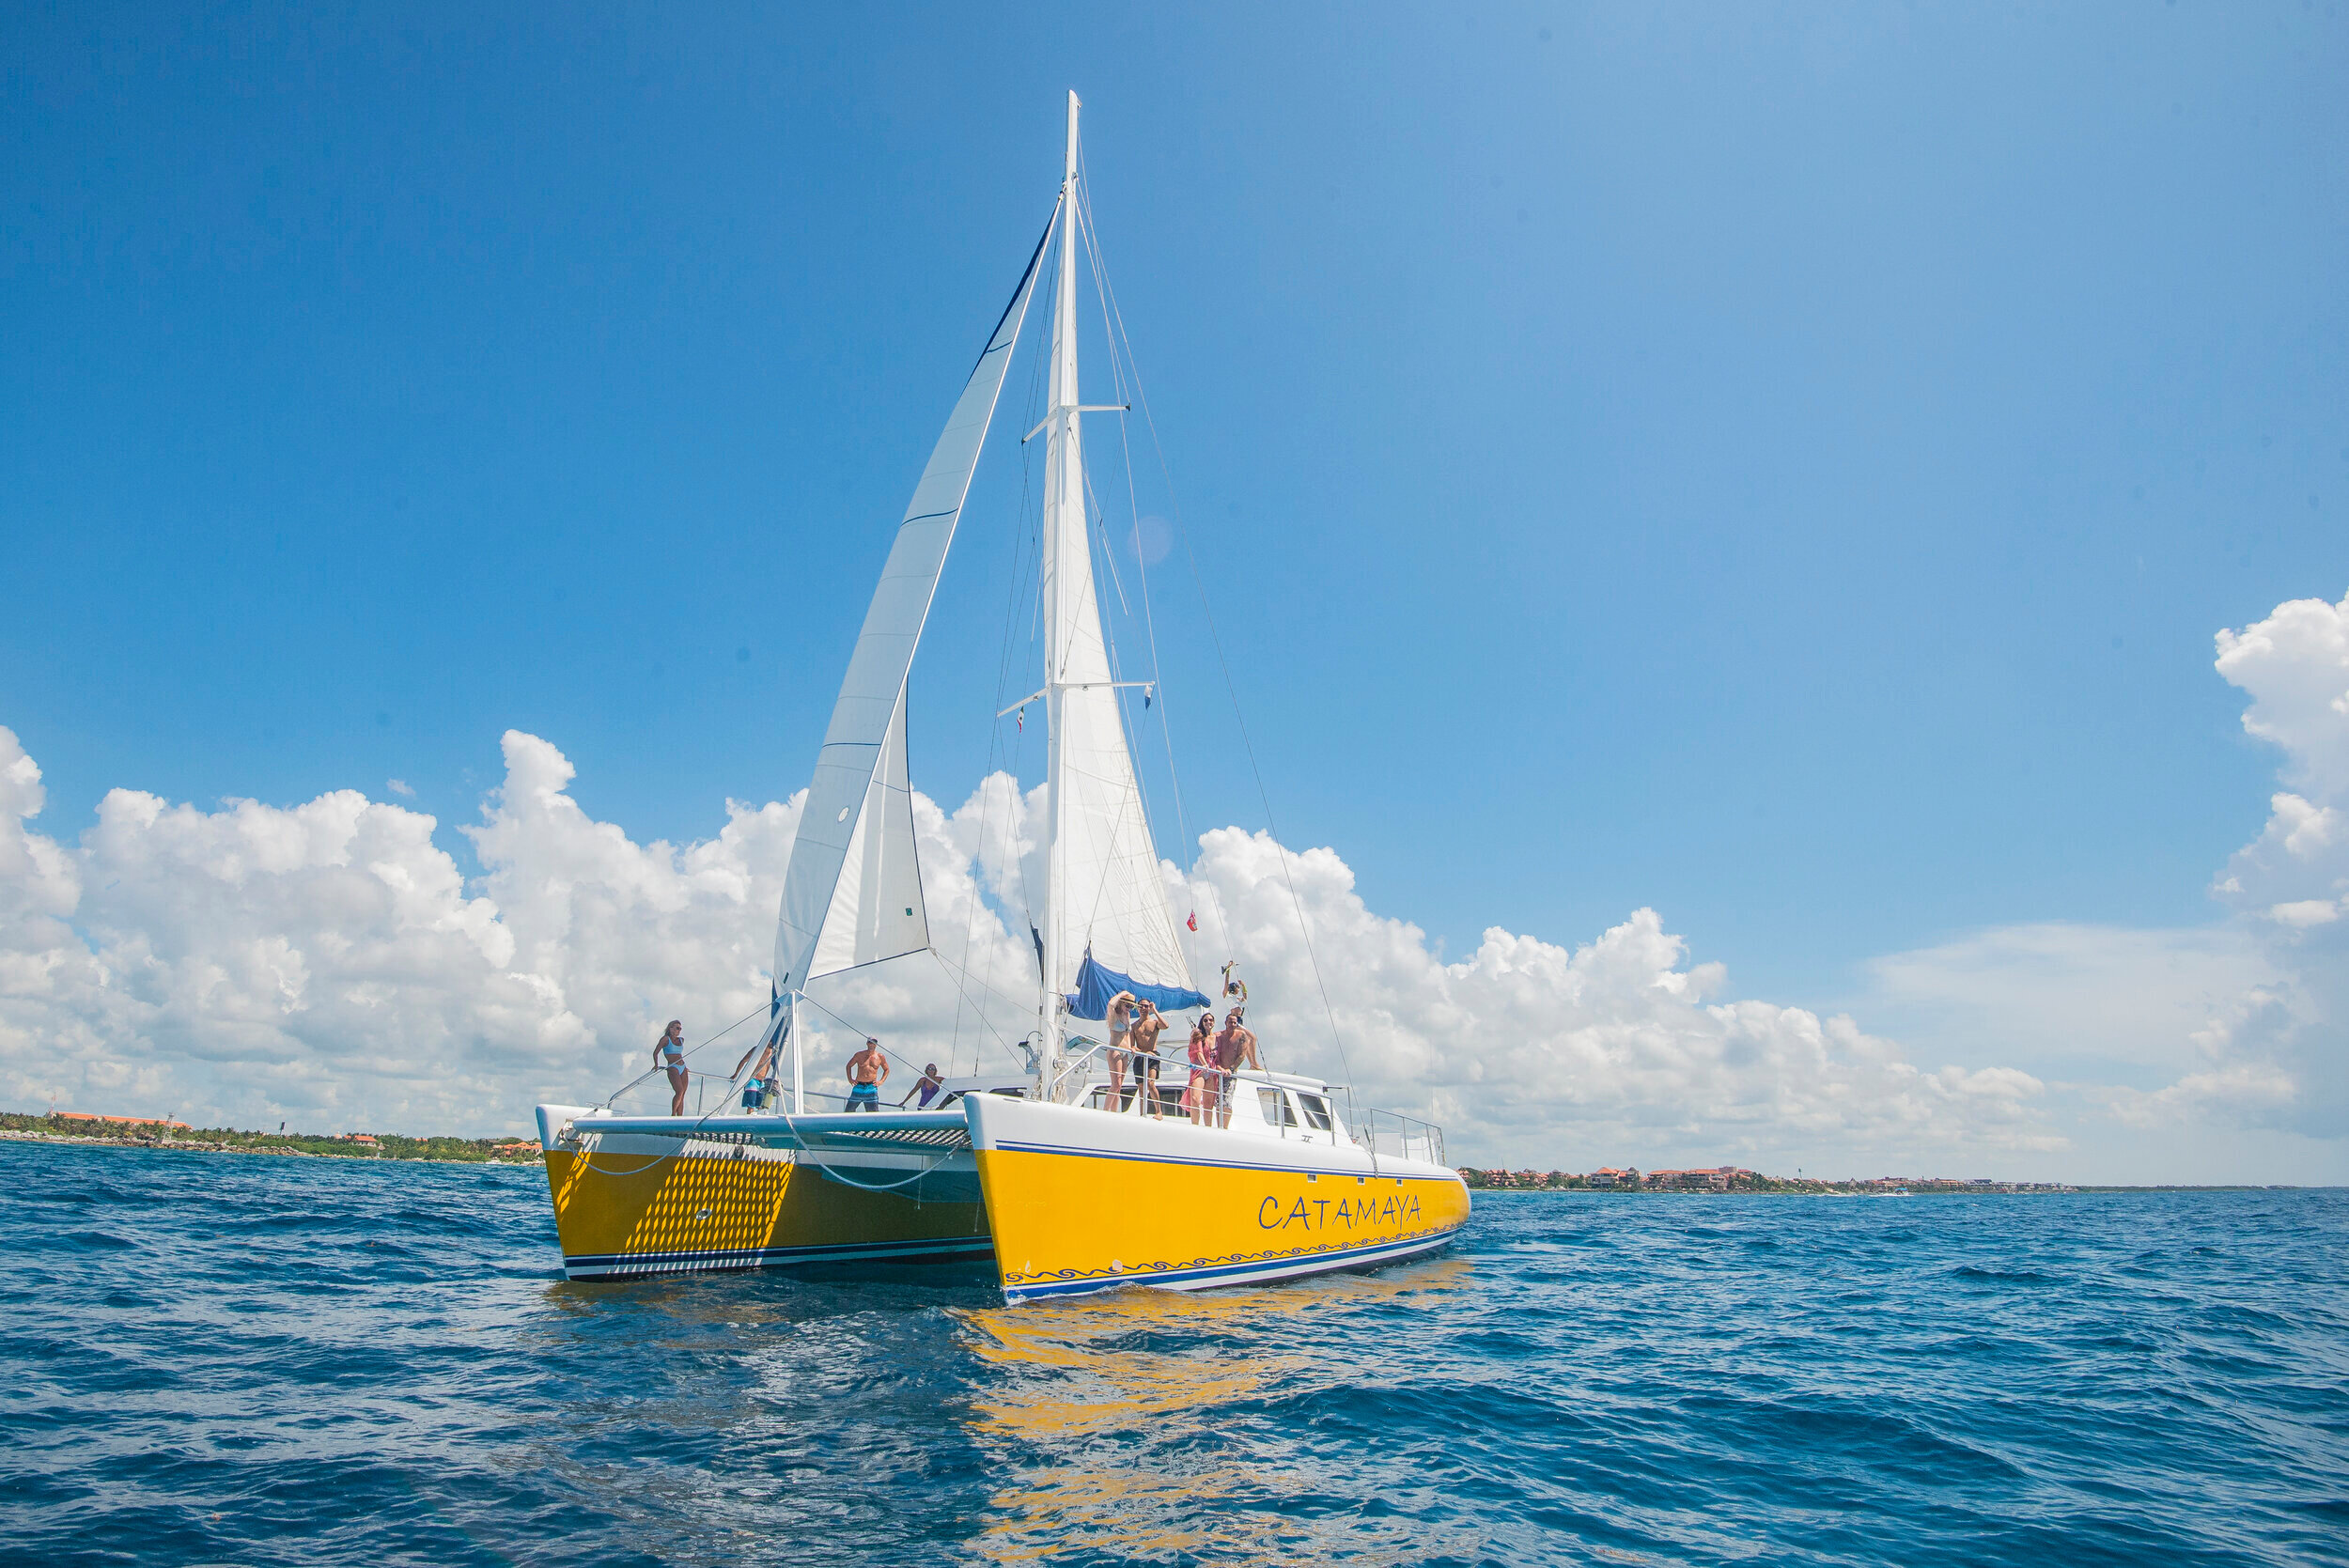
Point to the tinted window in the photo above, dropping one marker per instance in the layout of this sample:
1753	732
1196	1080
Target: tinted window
1276	1109
1316	1111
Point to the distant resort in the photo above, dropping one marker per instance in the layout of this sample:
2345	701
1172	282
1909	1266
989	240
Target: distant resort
1734	1178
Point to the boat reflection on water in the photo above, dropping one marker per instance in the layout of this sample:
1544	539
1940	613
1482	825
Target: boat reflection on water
1150	1424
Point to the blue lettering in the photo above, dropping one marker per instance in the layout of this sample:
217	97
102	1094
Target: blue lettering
1344	1213
1274	1204
1299	1213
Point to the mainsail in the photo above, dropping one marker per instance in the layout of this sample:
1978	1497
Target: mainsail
1107	923
862	766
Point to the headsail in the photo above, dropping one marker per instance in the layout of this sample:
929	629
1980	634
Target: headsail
871	708
1106	906
877	909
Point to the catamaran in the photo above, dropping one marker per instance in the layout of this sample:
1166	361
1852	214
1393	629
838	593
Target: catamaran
1067	1183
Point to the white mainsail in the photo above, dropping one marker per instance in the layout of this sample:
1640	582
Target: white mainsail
853	772
1104	895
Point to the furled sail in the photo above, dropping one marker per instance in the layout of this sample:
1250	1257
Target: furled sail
850	771
1106	905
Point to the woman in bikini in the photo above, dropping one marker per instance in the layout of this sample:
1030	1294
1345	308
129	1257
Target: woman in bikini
668	1053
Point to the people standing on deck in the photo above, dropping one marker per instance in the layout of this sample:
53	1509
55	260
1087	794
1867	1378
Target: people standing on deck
868	1069
1120	1019
759	1088
1199	1093
1147	1023
927	1086
1234	1046
668	1055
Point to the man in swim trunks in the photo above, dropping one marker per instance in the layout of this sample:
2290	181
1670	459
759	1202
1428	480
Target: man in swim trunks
759	1089
868	1069
1147	1023
1120	1019
668	1055
1233	1047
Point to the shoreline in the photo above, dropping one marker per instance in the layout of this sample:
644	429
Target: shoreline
285	1147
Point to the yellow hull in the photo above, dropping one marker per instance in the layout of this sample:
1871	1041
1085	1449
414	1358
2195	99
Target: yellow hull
624	1214
1082	1201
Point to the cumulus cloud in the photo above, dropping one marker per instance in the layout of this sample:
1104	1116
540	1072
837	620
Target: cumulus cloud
2243	1024
331	963
1617	1044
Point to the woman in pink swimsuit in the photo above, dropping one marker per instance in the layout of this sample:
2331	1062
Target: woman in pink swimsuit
1199	1093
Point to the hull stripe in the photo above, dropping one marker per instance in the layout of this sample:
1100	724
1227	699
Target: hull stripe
1075	1152
1352	1257
759	1257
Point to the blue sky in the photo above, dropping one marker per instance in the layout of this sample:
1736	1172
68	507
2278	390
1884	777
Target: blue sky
1780	465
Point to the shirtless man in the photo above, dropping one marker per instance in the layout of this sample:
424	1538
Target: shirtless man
759	1089
1234	1047
868	1069
1120	1017
1147	1023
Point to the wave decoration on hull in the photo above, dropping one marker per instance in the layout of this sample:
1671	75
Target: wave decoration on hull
1108	1139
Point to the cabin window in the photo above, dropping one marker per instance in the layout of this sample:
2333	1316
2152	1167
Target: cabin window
1170	1101
1276	1109
1316	1111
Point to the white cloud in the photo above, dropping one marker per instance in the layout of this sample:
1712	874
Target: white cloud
2242	1025
328	963
1610	1050
401	789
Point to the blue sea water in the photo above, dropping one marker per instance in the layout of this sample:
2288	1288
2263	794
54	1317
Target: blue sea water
266	1360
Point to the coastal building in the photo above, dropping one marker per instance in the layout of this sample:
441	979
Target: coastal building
1717	1178
163	1123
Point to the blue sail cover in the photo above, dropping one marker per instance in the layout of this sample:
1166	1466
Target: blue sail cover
1096	986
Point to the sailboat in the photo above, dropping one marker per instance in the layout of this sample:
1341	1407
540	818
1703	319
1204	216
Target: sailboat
1064	1185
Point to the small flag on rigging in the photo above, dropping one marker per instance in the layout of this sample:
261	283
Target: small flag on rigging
1193	920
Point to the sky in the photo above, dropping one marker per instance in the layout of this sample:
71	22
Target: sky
1747	496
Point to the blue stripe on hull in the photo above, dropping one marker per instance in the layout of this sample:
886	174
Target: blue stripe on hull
1200	1279
640	1264
1080	1152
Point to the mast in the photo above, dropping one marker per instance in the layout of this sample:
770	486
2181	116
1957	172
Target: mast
1065	546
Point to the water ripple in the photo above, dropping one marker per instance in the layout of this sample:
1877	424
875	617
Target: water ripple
293	1362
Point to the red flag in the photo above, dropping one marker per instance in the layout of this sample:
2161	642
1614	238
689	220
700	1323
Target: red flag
1194	921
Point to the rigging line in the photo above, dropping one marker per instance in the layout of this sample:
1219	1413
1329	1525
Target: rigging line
859	1032
1215	637
1123	376
975	1006
1023	1007
657	1070
995	732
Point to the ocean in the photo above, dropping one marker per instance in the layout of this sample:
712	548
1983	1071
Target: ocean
223	1359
